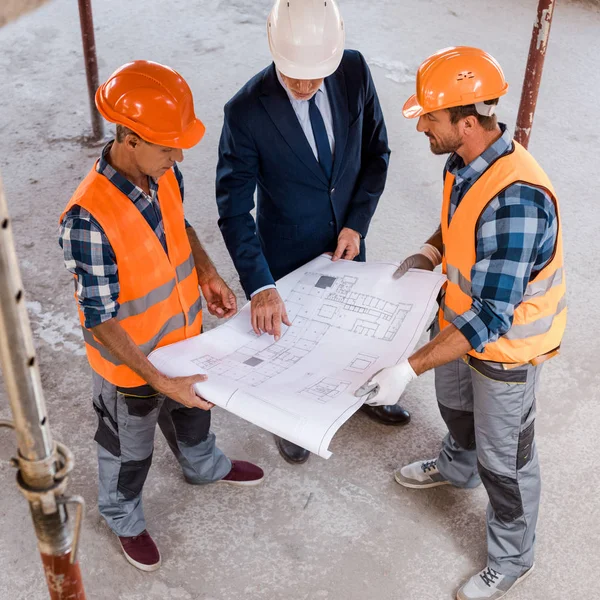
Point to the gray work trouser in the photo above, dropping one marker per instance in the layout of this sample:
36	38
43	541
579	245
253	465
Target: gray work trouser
127	421
490	414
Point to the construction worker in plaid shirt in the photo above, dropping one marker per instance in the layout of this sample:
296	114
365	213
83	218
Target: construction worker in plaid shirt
138	267
502	313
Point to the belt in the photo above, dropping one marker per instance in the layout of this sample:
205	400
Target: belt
538	360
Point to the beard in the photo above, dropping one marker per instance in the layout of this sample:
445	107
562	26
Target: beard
445	145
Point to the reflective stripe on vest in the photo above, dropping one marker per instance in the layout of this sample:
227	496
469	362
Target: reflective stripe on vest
518	332
140	305
534	288
173	324
159	297
539	321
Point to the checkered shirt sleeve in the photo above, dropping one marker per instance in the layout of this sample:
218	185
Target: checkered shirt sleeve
90	257
515	240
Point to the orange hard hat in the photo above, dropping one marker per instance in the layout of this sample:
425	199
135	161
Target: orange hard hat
154	101
455	77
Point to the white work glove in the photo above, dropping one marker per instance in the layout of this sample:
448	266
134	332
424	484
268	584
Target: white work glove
387	385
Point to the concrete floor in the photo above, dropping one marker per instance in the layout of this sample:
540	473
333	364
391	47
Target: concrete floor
330	530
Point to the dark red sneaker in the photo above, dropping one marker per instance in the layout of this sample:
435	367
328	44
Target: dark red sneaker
243	473
141	551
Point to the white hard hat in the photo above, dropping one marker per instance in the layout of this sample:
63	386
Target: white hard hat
306	37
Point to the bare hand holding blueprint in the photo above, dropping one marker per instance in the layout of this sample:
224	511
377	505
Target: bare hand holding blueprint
349	320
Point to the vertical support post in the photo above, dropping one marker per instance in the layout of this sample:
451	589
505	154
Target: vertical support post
533	71
91	64
43	464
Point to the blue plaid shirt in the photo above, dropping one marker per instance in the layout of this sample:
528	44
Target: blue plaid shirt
515	241
88	253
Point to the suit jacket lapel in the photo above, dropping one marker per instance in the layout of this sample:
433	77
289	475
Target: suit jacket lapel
336	90
277	104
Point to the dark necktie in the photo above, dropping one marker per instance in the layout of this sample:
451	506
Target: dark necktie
321	139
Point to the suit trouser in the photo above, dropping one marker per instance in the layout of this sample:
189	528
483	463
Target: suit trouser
127	421
490	414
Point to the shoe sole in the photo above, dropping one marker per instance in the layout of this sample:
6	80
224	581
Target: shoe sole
418	486
521	579
252	483
141	566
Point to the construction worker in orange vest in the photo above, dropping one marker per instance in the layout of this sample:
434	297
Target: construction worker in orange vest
502	312
139	267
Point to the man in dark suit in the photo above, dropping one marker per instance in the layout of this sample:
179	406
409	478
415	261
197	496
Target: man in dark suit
309	132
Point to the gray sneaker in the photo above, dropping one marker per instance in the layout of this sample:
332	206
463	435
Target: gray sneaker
420	475
489	585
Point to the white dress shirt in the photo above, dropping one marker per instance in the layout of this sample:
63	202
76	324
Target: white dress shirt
301	108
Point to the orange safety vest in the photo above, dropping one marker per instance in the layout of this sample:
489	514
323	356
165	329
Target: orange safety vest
539	321
159	296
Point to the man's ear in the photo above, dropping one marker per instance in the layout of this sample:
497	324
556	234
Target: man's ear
131	141
469	125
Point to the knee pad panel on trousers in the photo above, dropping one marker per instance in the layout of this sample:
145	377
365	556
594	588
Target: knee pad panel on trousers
461	426
504	494
132	476
192	425
105	436
525	448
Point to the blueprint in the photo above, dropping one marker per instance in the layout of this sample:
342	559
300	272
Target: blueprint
348	320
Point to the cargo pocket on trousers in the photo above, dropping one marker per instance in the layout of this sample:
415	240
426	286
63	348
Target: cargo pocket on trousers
132	477
497	373
140	406
105	436
525	446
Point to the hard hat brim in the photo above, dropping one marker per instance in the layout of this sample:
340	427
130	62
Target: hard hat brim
188	139
296	71
412	109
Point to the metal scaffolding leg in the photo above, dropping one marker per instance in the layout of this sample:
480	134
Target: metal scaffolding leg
91	64
533	71
44	465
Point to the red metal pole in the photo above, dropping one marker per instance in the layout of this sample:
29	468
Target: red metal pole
63	577
533	71
91	64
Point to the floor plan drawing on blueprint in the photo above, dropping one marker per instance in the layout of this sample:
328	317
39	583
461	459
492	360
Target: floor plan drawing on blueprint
340	306
348	321
346	308
253	364
326	388
361	362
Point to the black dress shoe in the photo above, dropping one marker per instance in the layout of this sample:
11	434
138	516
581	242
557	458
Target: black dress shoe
295	455
388	415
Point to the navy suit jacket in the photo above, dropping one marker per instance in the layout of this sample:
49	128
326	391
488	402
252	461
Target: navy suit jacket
299	212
